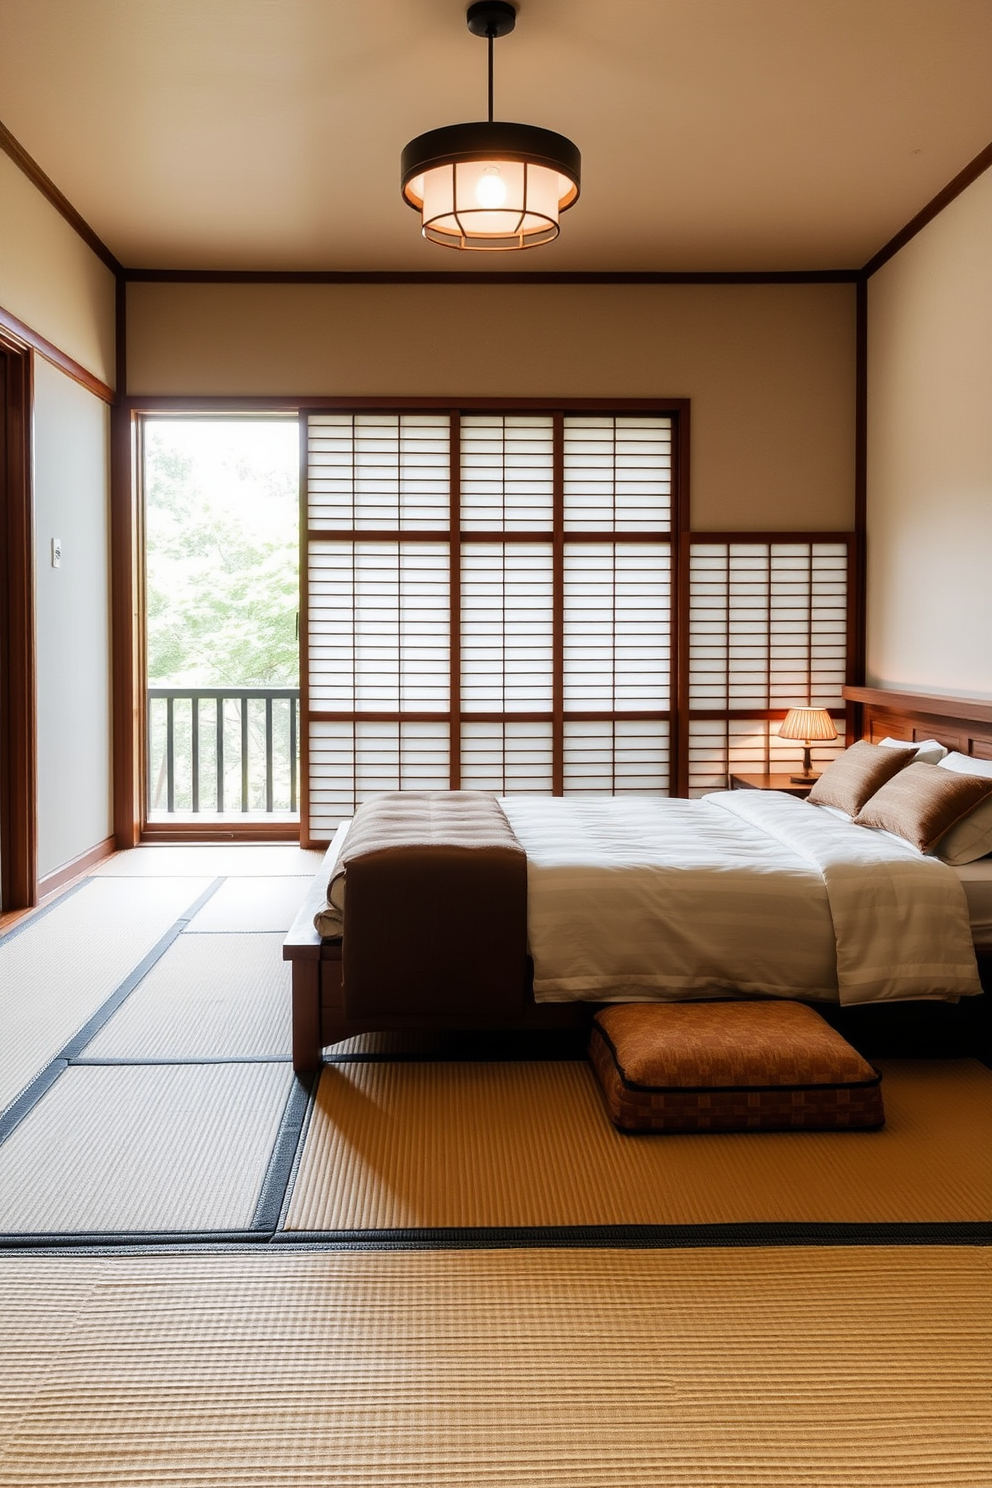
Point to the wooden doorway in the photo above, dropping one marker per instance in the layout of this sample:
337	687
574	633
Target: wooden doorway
18	743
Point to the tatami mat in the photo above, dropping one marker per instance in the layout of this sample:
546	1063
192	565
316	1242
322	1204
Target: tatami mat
144	1148
408	1145
459	1043
269	904
242	860
210	996
58	969
767	1368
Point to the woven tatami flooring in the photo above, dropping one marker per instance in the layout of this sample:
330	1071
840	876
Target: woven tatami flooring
157	1102
399	1145
440	1265
757	1368
145	1080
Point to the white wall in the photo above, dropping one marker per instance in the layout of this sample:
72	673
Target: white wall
71	482
57	286
51	280
930	456
769	368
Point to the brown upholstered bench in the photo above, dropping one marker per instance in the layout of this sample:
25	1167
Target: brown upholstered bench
730	1066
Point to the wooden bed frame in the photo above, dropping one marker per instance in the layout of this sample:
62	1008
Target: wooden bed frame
319	1016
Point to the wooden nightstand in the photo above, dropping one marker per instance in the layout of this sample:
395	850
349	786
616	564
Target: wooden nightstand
771	782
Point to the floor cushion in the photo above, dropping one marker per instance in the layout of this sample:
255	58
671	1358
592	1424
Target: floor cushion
730	1066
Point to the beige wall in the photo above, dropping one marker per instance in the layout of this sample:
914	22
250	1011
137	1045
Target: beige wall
50	279
930	456
769	368
72	450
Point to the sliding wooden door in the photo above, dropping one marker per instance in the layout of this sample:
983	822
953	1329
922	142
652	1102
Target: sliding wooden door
18	790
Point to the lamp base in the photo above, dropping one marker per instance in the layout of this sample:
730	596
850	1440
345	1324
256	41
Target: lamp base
803	779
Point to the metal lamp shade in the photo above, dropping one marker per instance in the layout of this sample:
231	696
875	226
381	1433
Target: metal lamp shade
490	186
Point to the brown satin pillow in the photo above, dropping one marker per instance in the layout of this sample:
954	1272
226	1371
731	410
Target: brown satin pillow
854	777
923	802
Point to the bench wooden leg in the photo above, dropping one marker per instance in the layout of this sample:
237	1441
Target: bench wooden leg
307	1043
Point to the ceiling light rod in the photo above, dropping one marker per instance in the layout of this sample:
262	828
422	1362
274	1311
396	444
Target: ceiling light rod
491	18
490	185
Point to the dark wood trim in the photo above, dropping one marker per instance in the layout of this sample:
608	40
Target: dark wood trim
965	710
961	724
478	535
739	535
933	208
535	715
750	715
228	831
678	742
453	539
558	605
76	867
120	338
471	276
29	167
182	407
858	579
126	630
303	743
18	717
18	331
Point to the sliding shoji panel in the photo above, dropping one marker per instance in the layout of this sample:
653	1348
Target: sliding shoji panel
507	602
378	471
378	626
507	472
378	636
351	759
616	604
618	473
768	630
489	604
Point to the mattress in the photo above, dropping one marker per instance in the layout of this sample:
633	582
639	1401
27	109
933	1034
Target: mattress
742	893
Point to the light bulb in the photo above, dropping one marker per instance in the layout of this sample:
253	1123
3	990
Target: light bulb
490	190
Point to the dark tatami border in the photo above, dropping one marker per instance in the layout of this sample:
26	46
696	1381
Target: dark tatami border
44	1079
566	1237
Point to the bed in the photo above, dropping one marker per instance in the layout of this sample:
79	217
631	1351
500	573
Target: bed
412	974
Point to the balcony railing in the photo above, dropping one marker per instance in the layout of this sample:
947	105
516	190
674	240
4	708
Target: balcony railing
212	747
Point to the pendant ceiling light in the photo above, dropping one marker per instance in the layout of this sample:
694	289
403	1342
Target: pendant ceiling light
490	185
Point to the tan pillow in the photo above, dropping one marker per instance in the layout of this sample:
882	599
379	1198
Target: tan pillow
854	776
922	802
971	837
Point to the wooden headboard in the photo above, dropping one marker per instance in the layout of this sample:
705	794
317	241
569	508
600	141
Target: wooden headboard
962	724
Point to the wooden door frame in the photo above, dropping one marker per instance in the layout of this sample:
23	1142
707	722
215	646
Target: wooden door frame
18	716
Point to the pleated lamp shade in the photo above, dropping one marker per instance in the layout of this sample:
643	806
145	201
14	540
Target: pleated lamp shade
809	724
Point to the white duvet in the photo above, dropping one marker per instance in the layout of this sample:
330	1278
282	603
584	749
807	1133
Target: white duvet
650	898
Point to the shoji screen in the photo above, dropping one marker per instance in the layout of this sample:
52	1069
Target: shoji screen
490	597
489	604
768	630
378	575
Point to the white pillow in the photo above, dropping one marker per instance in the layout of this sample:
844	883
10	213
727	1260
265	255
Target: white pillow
971	838
834	811
929	752
966	764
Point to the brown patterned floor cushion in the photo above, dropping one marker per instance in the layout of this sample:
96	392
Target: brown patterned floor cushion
730	1066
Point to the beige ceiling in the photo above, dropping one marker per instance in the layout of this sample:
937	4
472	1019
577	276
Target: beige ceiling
715	134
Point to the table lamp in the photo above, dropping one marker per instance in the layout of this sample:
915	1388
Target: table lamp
808	724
